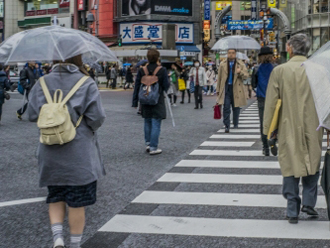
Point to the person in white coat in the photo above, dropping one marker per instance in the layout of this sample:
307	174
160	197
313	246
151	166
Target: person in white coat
210	74
199	77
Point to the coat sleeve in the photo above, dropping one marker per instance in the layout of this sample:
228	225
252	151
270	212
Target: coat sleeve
166	83
254	78
219	79
94	113
137	89
34	106
205	78
244	72
272	95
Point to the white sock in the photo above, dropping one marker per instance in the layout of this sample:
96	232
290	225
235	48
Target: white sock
75	240
57	230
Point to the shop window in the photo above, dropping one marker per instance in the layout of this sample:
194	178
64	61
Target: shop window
324	6
31	5
316	40
316	6
324	36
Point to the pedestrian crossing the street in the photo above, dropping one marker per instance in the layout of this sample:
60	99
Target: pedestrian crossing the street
224	189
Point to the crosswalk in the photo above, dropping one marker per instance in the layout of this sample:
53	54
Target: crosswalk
224	189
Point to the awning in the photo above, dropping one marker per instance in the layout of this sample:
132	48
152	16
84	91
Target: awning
189	48
109	44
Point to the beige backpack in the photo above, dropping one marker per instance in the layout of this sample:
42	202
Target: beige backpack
54	122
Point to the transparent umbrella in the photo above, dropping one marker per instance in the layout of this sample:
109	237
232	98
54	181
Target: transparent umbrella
318	73
53	43
237	42
242	56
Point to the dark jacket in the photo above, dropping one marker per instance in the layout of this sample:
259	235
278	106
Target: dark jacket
4	85
107	72
152	111
129	76
27	78
260	78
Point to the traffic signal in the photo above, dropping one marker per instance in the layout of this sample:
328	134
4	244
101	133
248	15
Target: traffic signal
120	41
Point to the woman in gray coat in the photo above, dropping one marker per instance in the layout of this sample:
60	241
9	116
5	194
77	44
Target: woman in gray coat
70	171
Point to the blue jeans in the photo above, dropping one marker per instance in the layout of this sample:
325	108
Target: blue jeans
152	132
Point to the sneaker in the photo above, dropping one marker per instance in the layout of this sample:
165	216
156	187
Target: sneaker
158	151
19	116
59	243
208	93
148	149
212	94
174	105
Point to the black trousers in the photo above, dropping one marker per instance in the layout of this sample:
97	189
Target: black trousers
114	83
183	94
0	110
229	102
261	106
198	95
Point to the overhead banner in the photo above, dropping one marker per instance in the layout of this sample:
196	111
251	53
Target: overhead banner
64	3
223	4
271	3
144	32
157	7
249	25
207	10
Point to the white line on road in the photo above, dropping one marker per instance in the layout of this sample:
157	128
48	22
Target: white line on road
249	122
222	178
217	199
235	136
250	125
217	227
228	164
24	201
247	115
249	118
241	130
228	144
227	153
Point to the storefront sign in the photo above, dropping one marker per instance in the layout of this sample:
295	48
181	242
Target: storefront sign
81	5
207	35
1	9
157	7
271	3
283	3
207	25
144	32
254	10
249	25
30	13
64	3
52	11
223	4
42	12
207	10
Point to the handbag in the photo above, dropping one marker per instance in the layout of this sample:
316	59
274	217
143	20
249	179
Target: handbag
182	84
192	85
217	112
7	96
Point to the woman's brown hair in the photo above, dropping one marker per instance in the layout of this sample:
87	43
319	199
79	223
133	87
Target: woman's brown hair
76	60
268	58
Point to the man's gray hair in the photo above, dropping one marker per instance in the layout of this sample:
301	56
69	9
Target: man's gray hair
300	44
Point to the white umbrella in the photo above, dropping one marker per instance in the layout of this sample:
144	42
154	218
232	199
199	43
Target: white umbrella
237	42
241	56
53	43
318	73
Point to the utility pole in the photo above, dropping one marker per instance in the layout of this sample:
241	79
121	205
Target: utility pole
97	18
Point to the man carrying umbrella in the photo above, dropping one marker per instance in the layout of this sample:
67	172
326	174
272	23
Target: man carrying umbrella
230	87
300	145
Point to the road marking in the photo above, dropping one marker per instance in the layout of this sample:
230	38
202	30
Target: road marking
249	118
241	131
217	199
217	227
235	136
228	164
250	125
222	178
24	201
228	144
246	115
249	122
226	153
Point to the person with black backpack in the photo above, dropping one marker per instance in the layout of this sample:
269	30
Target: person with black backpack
27	80
150	85
4	86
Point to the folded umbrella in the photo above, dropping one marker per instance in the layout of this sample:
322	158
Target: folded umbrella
53	43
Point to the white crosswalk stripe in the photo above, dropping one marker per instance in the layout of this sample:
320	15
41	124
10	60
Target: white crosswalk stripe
230	170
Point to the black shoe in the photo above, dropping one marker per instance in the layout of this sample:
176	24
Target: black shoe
201	106
310	211
189	101
182	102
266	152
227	130
292	220
19	116
196	108
139	113
235	127
273	146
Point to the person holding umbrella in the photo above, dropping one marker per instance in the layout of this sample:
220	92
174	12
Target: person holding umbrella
230	88
300	145
200	80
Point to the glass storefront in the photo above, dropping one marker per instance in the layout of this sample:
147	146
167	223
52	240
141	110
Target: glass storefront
324	35
31	5
46	7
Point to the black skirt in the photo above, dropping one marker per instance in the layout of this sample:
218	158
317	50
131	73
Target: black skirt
74	196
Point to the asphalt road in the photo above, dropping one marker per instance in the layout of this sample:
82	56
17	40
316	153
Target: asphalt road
130	170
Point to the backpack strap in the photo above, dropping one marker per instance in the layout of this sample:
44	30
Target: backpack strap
157	70
146	72
74	89
45	90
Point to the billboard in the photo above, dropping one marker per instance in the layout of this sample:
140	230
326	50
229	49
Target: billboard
249	25
157	7
207	10
144	32
271	3
64	3
221	5
81	5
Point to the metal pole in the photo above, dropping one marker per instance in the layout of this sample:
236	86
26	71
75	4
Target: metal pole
75	16
97	19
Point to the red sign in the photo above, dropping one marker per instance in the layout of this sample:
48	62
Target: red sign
42	12
64	3
207	25
30	13
81	5
52	11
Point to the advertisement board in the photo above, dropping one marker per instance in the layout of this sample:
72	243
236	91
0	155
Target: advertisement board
64	3
220	5
1	9
81	5
157	7
249	25
207	10
271	3
283	3
145	32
